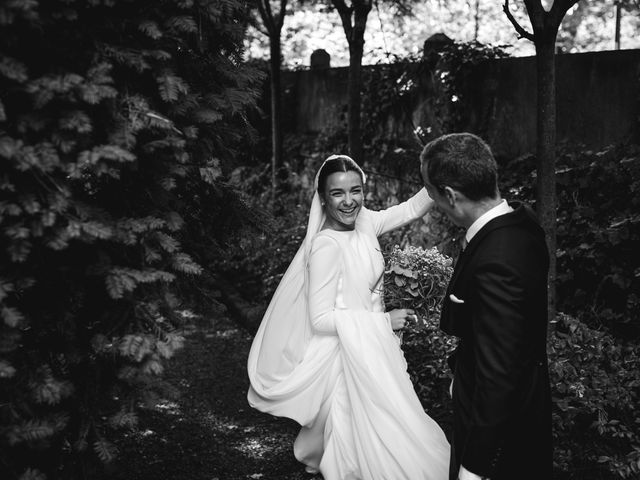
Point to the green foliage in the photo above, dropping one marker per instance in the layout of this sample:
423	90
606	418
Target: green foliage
595	391
598	233
452	76
118	121
392	90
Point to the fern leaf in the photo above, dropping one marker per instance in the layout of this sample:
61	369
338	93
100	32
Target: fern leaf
96	230
6	369
30	431
212	172
76	121
12	69
10	340
12	317
151	29
51	391
152	365
183	23
185	264
168	183
175	341
151	255
6	287
32	474
207	115
171	86
93	93
123	419
19	251
105	450
167	242
136	346
164	349
174	221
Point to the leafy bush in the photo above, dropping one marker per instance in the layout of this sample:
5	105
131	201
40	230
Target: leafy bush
596	389
116	122
598	232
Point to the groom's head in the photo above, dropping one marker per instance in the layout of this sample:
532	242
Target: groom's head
461	175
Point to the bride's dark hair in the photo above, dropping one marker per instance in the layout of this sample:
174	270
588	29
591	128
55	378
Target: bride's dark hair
337	163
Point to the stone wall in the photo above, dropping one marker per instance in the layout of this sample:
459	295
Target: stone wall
598	97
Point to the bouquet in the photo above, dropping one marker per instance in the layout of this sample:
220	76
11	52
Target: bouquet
417	278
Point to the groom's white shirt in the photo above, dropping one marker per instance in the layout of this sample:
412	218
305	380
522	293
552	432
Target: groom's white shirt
501	209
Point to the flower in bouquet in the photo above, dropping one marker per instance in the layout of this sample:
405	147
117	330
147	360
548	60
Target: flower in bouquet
416	278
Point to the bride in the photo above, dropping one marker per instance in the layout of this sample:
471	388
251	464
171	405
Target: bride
325	354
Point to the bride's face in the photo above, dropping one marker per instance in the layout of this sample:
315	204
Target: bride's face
343	197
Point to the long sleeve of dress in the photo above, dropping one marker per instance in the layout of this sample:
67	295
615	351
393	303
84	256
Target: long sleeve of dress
401	214
325	275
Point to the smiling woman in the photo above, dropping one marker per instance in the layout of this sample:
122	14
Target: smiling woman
342	200
326	355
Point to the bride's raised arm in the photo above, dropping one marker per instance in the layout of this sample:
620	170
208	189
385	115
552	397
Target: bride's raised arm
401	214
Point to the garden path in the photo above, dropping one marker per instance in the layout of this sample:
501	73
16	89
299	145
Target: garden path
210	432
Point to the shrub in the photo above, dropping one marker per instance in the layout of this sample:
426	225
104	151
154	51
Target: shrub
116	122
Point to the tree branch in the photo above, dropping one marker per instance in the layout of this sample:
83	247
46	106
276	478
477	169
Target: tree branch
257	24
345	16
522	33
283	12
559	9
265	13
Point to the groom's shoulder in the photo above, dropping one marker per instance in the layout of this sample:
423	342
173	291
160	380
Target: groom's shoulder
521	226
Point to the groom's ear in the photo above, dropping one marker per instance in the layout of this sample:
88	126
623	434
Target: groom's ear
451	195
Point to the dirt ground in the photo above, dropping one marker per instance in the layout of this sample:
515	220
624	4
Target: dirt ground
210	432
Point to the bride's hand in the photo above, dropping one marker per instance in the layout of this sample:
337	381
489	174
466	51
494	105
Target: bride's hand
400	317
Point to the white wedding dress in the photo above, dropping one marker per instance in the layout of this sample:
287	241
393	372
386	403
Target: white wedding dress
325	355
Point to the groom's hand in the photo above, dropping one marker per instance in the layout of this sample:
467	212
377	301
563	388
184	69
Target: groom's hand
465	474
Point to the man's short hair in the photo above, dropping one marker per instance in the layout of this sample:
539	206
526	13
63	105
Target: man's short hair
462	161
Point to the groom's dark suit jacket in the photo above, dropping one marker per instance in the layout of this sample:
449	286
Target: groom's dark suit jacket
501	393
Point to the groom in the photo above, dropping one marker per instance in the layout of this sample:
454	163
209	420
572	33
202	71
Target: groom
496	303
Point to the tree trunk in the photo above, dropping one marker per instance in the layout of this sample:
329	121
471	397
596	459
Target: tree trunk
545	153
276	127
356	49
354	107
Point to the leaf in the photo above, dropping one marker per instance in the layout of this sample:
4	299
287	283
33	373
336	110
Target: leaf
6	369
151	29
30	431
167	242
174	221
153	366
123	419
185	264
399	281
51	391
171	86
12	69
12	317
105	450
212	172
32	474
135	346
184	24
